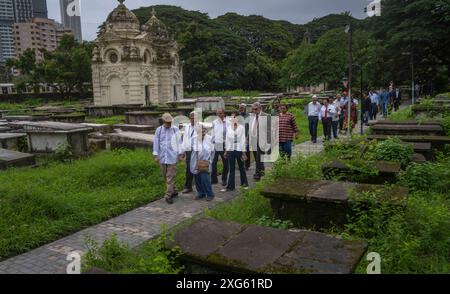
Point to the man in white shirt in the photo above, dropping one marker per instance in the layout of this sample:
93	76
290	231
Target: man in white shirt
189	133
375	101
218	138
336	117
313	117
168	149
327	111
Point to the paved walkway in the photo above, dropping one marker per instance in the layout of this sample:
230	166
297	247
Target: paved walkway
134	227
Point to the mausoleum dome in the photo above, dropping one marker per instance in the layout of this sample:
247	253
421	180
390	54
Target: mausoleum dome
121	19
155	27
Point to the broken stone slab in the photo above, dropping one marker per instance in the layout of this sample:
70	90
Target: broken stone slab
423	148
144	118
4	129
3	113
131	140
135	128
11	140
230	247
427	130
386	172
9	159
69	118
324	204
437	142
419	158
97	144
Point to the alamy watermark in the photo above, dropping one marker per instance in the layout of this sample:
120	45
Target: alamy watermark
74	8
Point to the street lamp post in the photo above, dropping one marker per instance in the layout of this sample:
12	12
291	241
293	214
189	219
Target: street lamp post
350	72
361	93
413	87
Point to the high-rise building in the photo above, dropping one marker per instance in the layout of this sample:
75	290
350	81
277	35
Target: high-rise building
71	20
40	8
6	22
40	33
23	10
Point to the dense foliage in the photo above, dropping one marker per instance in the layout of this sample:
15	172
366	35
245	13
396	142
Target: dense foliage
66	69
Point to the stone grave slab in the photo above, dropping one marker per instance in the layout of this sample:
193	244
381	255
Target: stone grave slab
14	118
143	118
437	142
427	130
131	140
122	109
419	110
99	128
3	113
419	158
55	109
4	129
45	137
323	204
9	159
135	128
100	111
386	172
229	247
69	118
10	140
406	122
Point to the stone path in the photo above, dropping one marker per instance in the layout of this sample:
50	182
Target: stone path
134	227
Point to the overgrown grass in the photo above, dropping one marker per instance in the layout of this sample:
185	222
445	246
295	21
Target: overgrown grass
39	205
113	120
402	114
150	258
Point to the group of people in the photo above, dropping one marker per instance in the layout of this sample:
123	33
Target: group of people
333	114
383	102
203	146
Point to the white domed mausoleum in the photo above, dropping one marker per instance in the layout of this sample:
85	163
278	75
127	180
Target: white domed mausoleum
133	64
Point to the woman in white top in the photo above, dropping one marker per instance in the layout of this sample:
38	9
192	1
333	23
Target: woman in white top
236	148
202	150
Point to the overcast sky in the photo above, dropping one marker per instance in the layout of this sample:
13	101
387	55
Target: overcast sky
94	12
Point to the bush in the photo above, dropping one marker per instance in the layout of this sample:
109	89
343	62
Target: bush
427	177
63	151
393	149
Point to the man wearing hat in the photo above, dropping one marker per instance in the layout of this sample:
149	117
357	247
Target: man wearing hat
313	117
168	149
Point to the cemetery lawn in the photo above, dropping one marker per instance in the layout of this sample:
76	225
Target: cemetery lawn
40	205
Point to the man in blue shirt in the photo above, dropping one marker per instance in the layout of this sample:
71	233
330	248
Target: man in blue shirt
168	149
384	102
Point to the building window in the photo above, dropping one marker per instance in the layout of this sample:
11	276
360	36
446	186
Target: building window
113	58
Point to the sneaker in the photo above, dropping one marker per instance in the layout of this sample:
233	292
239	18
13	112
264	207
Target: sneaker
224	184
175	195
186	191
245	187
169	200
209	199
198	197
226	190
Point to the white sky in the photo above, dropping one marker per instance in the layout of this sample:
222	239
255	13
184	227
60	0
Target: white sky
94	12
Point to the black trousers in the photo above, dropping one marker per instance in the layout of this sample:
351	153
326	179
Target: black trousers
327	125
259	164
225	162
189	176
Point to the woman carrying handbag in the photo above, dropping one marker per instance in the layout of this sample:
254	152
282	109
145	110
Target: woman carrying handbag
201	162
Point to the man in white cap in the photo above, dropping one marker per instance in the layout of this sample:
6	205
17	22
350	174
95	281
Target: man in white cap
168	149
